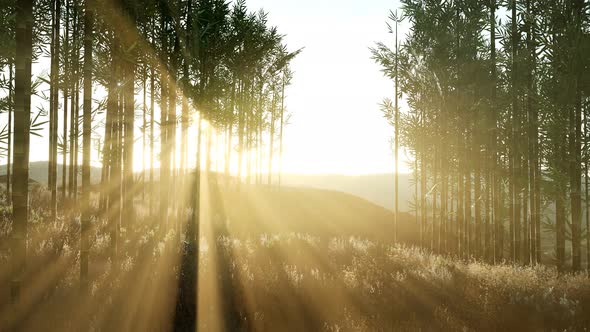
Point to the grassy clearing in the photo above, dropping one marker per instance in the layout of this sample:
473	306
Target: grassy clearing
278	281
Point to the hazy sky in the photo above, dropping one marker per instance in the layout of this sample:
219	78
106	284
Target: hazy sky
336	125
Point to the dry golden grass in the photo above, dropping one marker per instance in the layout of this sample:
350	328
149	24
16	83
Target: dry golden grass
262	271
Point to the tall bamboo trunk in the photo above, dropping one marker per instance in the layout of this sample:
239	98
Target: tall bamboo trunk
10	133
575	140
114	160
171	125
423	179
560	221
208	144
586	189
586	196
241	140
487	252
435	170
396	147
144	131
77	133
271	136
229	134
193	231
22	111
185	88
152	120
461	236
282	124
75	100
106	152
537	188
468	203
164	160
73	121
493	180
152	145
65	99
416	185
532	141
86	144
516	158
444	197
66	90
260	144
129	189
477	200
53	108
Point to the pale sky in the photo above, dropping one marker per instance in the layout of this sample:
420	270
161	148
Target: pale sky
336	125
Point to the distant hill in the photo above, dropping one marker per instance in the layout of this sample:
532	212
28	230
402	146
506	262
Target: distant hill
376	188
38	172
258	210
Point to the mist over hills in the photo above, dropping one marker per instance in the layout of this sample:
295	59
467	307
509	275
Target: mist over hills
38	172
376	188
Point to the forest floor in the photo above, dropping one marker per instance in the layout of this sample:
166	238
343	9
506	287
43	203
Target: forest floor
262	271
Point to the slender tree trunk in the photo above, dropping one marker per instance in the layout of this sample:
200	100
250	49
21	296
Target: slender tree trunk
586	188
171	124
144	131
164	160
115	162
423	179
152	145
586	196
468	204
396	148
194	226
575	141
560	220
107	149
516	158
229	134
86	144
65	99
22	111
493	180
487	252
75	98
241	143
129	190
53	111
73	124
477	200
532	140
10	133
185	88
416	184
260	147
461	209
437	195
281	130
271	136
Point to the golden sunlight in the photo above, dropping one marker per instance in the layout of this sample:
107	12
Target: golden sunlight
265	165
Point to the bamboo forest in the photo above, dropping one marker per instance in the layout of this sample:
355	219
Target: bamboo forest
283	165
